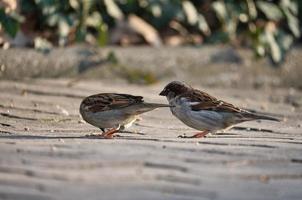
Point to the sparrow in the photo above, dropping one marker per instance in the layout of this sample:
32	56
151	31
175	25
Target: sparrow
112	112
203	112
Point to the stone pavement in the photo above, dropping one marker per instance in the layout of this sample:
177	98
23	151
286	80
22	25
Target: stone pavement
45	154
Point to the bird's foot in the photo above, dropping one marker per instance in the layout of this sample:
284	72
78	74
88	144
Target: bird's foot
182	136
105	135
109	134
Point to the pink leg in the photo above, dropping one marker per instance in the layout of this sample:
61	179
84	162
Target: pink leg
109	134
197	135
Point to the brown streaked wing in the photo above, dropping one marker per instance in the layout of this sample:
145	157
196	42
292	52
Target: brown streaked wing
208	102
109	101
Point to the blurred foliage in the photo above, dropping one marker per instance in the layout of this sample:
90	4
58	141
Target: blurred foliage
9	23
269	27
9	18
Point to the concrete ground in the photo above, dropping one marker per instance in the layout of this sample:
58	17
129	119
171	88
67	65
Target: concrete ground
45	154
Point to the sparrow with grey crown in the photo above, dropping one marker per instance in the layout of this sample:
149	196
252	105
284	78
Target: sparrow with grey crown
204	112
112	112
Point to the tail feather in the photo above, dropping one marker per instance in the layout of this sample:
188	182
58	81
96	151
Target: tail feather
145	107
254	116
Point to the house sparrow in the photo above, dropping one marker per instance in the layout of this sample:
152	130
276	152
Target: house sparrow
204	112
113	111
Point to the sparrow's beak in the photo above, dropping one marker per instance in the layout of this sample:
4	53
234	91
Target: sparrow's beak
163	93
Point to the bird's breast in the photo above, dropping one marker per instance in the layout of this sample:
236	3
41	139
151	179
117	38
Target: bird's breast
105	119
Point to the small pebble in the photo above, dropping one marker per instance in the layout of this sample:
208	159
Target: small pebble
6	45
264	179
264	106
24	92
63	110
53	148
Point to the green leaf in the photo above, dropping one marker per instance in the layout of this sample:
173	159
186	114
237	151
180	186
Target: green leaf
113	10
260	50
63	29
42	44
221	11
94	20
10	25
293	23
53	20
103	35
289	5
270	10
286	40
274	48
203	25
251	9
228	17
74	4
49	10
156	10
191	12
80	34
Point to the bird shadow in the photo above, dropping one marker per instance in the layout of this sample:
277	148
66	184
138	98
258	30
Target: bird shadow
241	128
30	137
11	135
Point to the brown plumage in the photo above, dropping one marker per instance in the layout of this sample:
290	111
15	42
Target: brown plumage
109	101
114	111
204	112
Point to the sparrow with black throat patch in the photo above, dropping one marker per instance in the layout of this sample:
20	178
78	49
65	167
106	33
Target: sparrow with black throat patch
204	112
112	112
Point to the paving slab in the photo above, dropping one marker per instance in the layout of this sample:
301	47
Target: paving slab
45	152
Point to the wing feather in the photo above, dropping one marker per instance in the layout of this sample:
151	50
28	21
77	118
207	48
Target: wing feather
109	101
204	101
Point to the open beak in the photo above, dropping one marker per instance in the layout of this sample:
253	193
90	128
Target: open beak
163	93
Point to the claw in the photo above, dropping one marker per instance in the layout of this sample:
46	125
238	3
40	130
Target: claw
182	136
105	135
